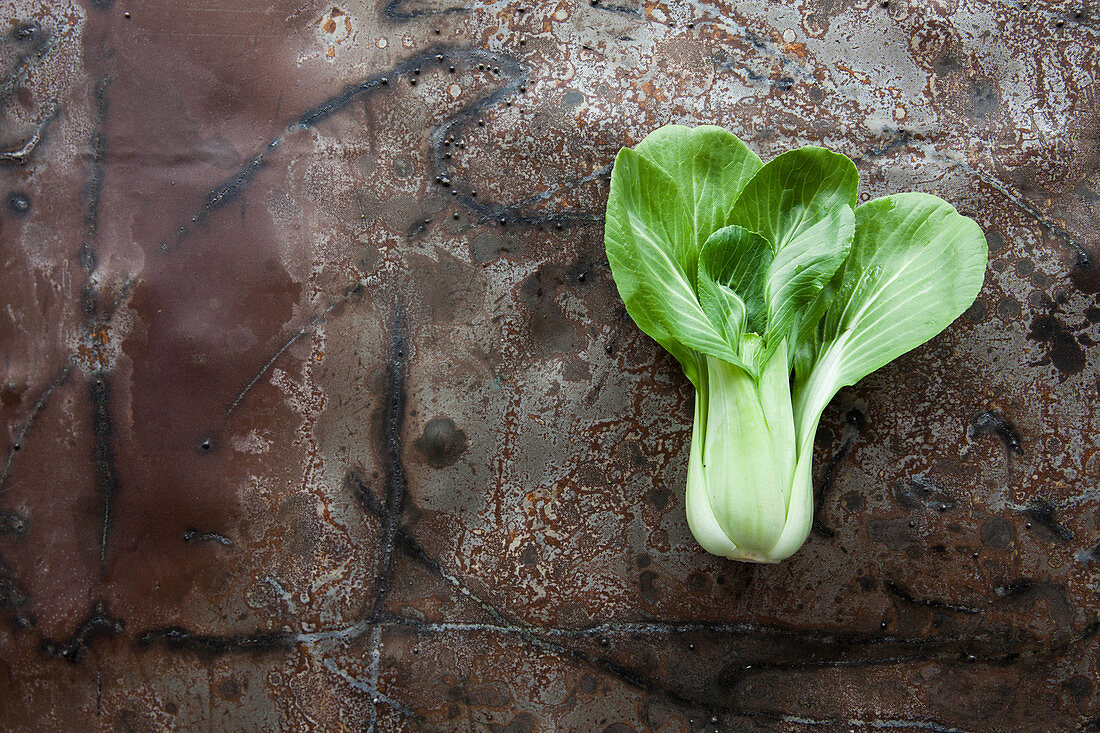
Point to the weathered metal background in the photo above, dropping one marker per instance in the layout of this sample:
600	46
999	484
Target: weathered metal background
322	411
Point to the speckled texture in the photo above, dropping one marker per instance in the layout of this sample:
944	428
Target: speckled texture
323	413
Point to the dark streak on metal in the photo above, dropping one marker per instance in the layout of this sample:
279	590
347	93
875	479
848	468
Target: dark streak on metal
177	638
393	468
43	43
906	595
357	486
616	8
103	456
1043	513
990	421
856	421
922	493
232	188
306	329
1016	588
901	139
194	535
98	624
518	72
98	145
13	597
392	11
1084	261
317	114
21	154
36	410
223	194
352	291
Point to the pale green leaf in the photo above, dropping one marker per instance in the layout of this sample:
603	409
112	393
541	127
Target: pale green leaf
709	165
732	264
916	264
801	202
648	237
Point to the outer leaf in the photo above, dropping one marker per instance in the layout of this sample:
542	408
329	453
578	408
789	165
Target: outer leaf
732	264
801	202
915	265
649	245
710	167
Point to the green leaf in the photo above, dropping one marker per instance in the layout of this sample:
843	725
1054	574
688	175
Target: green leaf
801	202
732	264
649	245
793	192
709	165
916	264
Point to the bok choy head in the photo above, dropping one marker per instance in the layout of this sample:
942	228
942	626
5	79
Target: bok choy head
773	290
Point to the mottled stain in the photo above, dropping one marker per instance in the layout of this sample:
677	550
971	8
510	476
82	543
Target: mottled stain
376	445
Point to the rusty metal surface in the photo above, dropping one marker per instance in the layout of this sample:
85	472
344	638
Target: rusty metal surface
322	411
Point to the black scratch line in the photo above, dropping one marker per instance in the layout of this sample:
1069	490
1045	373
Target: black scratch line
990	421
394	467
856	421
906	595
514	70
922	493
356	484
42	43
98	624
20	154
617	8
178	638
304	330
352	291
93	187
392	11
222	195
232	188
901	140
194	535
103	455
1043	513
534	639
1084	261
24	431
14	598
